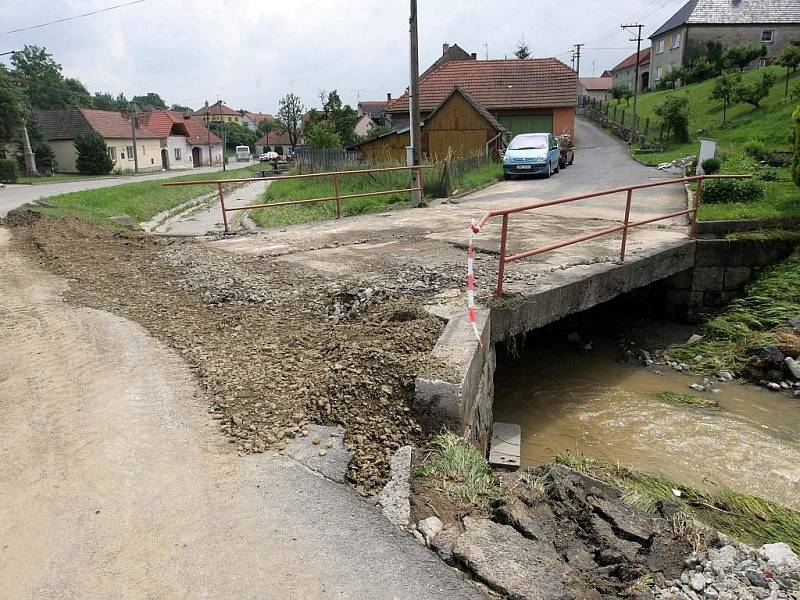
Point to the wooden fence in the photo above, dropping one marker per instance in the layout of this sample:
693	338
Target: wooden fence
316	160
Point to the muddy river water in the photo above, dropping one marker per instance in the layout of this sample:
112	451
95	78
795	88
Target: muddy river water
568	399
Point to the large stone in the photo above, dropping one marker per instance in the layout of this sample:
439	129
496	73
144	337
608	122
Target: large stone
781	558
772	354
394	498
794	323
430	528
737	277
123	220
511	564
627	522
793	367
723	560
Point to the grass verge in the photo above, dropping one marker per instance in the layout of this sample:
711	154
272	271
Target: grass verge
457	470
749	323
750	519
306	189
141	201
688	400
782	200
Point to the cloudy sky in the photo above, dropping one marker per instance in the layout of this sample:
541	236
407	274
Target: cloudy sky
252	52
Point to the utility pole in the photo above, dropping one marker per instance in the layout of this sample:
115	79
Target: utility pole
208	129
222	123
413	90
133	137
27	152
577	56
638	40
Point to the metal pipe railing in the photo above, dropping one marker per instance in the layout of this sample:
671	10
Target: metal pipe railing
335	175
626	224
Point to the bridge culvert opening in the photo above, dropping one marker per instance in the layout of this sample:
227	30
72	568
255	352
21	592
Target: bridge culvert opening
584	385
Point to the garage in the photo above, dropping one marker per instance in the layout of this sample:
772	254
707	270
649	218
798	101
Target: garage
528	123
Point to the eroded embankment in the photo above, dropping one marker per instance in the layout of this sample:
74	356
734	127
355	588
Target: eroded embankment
259	335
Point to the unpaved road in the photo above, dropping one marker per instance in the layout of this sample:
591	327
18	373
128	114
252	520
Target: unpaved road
115	483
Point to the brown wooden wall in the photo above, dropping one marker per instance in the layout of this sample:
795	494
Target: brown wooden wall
457	126
389	149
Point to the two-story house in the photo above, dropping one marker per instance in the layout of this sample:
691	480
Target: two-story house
684	37
218	113
625	72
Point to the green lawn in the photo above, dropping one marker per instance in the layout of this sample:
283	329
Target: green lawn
782	200
141	201
304	189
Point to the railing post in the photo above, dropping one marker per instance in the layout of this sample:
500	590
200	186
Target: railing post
625	231
501	269
222	206
338	202
421	185
698	198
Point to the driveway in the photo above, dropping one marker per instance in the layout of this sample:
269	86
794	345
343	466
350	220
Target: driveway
12	196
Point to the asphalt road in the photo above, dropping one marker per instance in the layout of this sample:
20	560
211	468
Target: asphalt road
12	196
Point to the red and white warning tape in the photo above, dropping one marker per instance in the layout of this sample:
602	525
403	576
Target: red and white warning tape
471	293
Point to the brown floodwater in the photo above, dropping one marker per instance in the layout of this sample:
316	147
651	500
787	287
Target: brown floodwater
568	399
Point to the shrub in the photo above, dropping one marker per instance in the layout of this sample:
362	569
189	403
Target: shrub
796	157
691	168
711	166
8	170
279	150
753	92
767	174
673	113
93	156
739	164
727	191
755	149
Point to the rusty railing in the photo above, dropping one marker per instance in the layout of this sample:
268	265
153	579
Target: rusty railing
624	227
335	175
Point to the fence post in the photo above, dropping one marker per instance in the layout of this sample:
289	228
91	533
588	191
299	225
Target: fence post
338	202
615	112
421	185
698	198
222	206
501	268
623	117
625	231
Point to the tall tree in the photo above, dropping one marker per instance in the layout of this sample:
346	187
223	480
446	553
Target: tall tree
290	116
41	78
12	109
180	108
723	90
789	58
80	95
523	51
742	55
150	101
342	116
753	92
322	134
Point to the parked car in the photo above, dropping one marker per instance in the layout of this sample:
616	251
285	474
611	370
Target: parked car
567	151
532	154
242	153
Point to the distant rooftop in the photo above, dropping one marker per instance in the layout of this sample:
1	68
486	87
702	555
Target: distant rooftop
733	12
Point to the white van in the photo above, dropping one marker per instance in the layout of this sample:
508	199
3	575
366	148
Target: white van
242	153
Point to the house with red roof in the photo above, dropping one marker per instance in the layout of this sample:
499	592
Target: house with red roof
595	88
275	141
532	95
625	72
164	139
250	120
218	113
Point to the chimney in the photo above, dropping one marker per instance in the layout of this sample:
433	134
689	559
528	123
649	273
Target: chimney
389	97
474	56
445	48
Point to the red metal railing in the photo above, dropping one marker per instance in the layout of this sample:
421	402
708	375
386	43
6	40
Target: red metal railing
624	227
335	175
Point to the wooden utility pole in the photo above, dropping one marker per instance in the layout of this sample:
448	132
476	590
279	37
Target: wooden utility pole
638	40
578	66
133	137
27	152
222	124
413	107
208	129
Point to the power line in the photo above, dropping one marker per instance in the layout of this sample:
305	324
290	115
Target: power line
72	18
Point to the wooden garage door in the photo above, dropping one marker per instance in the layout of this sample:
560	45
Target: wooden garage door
528	124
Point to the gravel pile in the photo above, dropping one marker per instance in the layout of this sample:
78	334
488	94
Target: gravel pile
259	335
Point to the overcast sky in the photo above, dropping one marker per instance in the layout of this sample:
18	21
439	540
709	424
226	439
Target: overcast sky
252	52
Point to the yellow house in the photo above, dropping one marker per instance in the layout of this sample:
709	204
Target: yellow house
59	128
217	113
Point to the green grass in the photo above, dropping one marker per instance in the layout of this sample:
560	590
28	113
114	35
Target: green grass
782	200
305	189
457	469
688	400
766	235
749	323
141	201
747	518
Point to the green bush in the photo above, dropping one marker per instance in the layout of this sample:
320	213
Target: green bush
93	156
727	191
8	170
279	150
739	164
755	149
796	158
711	166
766	174
673	113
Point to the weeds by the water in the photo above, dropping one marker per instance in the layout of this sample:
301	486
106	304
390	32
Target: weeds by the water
688	399
747	518
458	470
749	323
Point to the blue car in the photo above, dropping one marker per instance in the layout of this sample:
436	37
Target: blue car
532	154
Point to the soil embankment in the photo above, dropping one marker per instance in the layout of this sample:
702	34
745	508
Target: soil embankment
275	348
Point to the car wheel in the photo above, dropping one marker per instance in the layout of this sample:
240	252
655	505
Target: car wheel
506	176
549	170
572	159
557	168
562	163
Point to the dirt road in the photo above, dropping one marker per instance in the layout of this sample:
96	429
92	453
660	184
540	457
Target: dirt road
116	483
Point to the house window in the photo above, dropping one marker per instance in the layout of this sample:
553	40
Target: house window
129	149
112	154
676	40
659	71
660	46
768	36
177	154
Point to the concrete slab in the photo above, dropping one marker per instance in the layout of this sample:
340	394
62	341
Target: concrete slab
505	450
